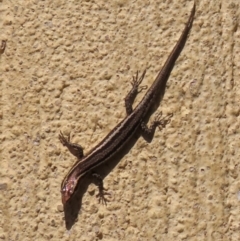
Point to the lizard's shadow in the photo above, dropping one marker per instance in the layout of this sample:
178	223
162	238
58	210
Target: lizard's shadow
158	89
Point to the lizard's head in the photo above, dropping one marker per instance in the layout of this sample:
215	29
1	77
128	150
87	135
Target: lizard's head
67	189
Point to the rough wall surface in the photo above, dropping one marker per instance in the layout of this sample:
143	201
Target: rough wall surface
67	66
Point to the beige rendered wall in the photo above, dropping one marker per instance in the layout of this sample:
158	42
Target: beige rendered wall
67	66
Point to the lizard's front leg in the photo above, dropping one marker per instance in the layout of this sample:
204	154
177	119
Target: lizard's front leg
74	148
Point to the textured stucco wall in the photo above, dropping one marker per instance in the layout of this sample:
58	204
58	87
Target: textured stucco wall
67	66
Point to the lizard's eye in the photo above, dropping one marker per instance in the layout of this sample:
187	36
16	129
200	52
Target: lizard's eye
67	190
